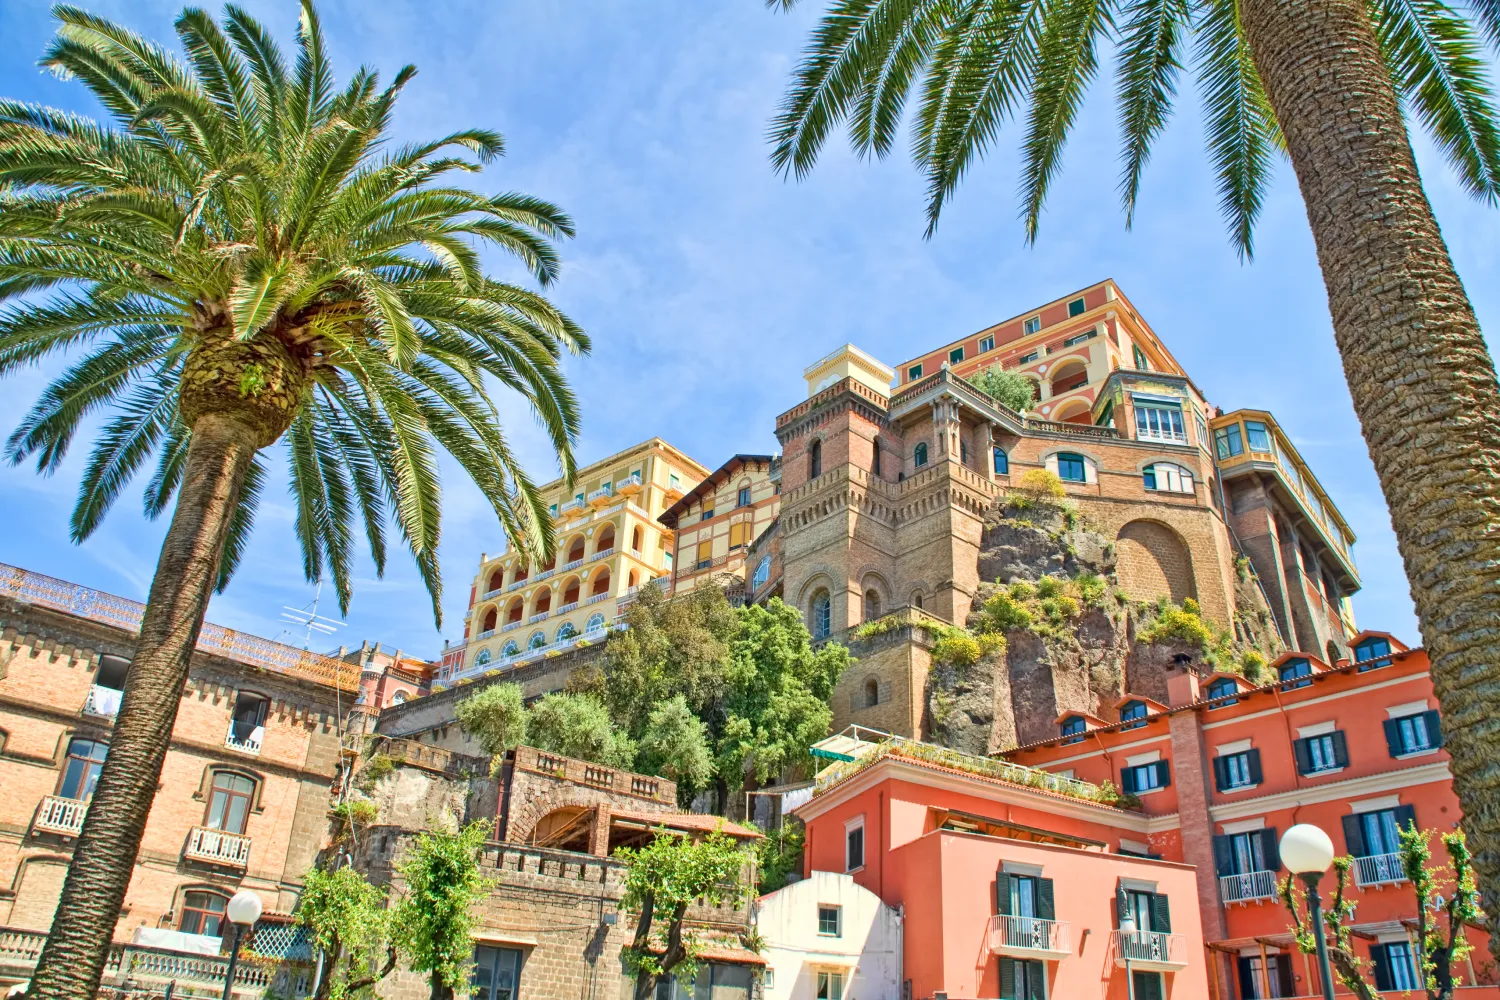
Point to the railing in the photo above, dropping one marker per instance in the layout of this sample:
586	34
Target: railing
570	606
103	702
1148	950
602	553
526	655
540	616
488	594
484	635
516	584
217	847
543	575
602	493
702	565
628	483
59	815
428	757
1076	430
511	626
1379	869
597	598
596	775
249	742
574	564
1029	936
1248	887
109	609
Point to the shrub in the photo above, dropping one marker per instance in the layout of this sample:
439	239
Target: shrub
356	812
991	642
1008	388
1005	611
1174	624
1022	591
378	767
1042	483
957	649
1060	608
1252	664
1091	589
1191	607
496	716
1048	586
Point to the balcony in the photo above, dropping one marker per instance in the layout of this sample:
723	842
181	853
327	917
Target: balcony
511	626
568	607
103	702
601	496
59	815
597	598
628	486
1150	951
575	506
540	616
1378	869
602	554
517	584
573	564
245	739
492	593
1247	888
217	847
484	635
1030	937
544	574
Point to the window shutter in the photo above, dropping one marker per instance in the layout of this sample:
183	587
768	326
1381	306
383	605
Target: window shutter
1002	894
1164	772
1007	978
1248	984
1434	727
1304	759
1127	779
1148	986
1253	758
1046	907
1161	913
1284	975
1119	904
1271	851
1406	817
1340	749
1392	736
1223	856
1380	963
1036	976
1221	774
1354	836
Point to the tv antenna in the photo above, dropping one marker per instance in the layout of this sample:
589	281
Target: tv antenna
310	621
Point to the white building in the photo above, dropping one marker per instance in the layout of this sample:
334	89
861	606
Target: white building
827	938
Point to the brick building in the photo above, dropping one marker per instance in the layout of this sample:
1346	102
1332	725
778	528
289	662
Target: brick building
245	790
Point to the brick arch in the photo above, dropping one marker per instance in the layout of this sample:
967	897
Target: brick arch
526	816
1153	561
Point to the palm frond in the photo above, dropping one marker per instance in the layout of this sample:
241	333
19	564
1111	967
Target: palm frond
1150	60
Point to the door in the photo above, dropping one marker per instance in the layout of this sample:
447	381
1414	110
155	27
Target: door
497	974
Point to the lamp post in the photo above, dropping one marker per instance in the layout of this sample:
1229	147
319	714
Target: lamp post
244	910
1307	852
1127	931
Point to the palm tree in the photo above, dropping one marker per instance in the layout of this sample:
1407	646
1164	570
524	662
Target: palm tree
242	258
1327	81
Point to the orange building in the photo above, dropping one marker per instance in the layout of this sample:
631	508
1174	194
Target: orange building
1223	770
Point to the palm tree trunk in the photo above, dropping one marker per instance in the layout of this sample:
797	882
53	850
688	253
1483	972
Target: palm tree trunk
72	960
1421	378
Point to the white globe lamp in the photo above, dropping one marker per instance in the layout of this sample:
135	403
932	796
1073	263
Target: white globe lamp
1307	851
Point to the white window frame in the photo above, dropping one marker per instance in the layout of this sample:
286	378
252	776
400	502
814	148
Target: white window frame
838	920
1171	478
1033	324
986	344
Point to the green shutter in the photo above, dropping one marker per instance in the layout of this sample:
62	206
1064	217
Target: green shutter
1354	836
1393	737
1161	914
1148	986
1046	907
1036	978
1340	749
1007	978
1223	856
1434	727
1002	894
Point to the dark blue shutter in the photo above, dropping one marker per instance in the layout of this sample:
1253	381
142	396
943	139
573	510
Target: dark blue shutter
1406	817
1304	758
1354	836
1164	773
1340	749
1127	778
1434	727
1221	773
1223	856
1381	967
1046	906
1270	850
1393	737
1252	757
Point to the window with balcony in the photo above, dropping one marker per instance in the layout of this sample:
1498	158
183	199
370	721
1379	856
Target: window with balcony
854	845
1134	713
986	344
1234	771
956	355
108	687
744	497
1075	308
203	913
247	724
1295	673
1028	358
1275	981
1325	752
705	555
1079	338
497	973
1372	654
1146	777
1394	967
81	768
1002	462
230	801
919	455
1257	436
1072	468
828	920
1151	911
1227	443
1224	687
1031	326
1159	423
913	373
1373	838
1165	477
1239	856
1414	733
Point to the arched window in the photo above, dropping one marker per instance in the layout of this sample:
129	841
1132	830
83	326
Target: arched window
875	462
601	584
1134	713
575	549
570	591
635	539
632	580
815	460
203	913
916	599
872	693
81	770
919	455
1072	468
1002	461
490	617
566	631
513	613
484	655
497	581
762	573
230	802
594	624
543	601
537	641
1073	727
606	540
1224	687
1168	478
822	615
511	649
399	698
522	572
872	605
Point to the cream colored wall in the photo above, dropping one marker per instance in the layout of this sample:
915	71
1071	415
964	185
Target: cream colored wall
867	951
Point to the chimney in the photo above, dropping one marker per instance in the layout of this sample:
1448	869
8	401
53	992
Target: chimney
1182	686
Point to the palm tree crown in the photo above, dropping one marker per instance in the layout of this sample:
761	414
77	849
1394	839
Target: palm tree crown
242	236
975	63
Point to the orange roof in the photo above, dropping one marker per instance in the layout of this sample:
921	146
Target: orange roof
689	821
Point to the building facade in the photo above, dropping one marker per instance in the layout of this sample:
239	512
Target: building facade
828	936
719	519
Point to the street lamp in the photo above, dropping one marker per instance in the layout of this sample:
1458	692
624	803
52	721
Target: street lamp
1127	931
1307	851
244	910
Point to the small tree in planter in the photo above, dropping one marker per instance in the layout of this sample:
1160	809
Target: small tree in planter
1438	947
662	880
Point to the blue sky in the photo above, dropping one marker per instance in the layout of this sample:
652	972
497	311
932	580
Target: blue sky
708	283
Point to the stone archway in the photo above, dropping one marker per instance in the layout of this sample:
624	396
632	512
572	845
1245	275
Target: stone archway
1153	561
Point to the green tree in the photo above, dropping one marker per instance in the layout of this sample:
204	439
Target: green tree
675	746
434	921
661	881
779	855
242	257
1327	81
348	919
578	725
496	716
1007	388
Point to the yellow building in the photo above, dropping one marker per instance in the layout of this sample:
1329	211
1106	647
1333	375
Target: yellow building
609	544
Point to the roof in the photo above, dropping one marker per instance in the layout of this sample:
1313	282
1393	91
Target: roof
615	457
721	474
688	821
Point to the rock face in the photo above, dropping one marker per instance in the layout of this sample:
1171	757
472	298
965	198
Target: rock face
1016	696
